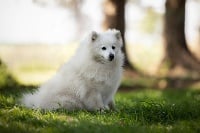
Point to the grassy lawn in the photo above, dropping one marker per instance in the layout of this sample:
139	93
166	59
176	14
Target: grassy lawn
137	111
140	107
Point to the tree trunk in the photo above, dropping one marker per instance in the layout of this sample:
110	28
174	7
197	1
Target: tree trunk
177	52
114	11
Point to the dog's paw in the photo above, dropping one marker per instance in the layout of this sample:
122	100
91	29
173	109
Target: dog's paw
107	107
102	110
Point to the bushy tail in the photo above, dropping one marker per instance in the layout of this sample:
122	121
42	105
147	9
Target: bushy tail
30	100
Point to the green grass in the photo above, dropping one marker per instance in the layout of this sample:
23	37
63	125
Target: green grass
137	111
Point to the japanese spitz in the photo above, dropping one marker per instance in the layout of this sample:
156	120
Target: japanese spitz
88	81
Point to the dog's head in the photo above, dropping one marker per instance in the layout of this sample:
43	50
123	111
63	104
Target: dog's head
106	46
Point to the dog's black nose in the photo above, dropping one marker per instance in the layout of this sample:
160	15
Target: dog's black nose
111	57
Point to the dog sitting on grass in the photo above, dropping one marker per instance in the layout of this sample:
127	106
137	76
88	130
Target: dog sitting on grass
88	81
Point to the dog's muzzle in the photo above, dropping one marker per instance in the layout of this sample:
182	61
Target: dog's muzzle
111	57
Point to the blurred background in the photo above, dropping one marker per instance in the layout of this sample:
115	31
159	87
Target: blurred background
161	37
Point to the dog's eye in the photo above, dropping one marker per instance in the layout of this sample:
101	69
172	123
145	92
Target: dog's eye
103	48
113	47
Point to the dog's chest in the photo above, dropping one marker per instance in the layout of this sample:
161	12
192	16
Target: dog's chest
99	80
99	83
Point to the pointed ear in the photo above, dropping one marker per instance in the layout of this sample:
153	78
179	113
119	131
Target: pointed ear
94	35
118	35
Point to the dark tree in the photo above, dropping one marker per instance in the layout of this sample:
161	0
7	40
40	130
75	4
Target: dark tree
177	52
114	11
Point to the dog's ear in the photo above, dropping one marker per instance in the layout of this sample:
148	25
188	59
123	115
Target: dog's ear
118	35
94	36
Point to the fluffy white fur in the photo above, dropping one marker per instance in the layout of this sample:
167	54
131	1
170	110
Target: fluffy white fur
89	80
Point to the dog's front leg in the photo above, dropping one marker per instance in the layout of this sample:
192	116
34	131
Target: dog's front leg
93	101
111	105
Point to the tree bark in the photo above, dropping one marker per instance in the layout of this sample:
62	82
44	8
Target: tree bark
114	11
177	52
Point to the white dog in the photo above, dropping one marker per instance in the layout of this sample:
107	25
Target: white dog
89	80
